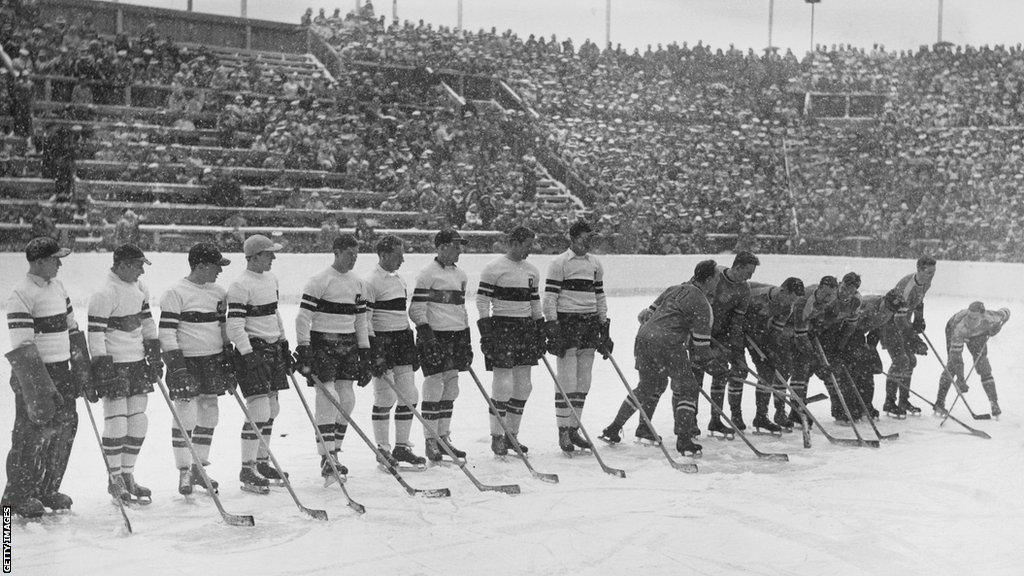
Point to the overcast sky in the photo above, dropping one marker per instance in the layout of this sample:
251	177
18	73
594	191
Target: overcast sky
894	23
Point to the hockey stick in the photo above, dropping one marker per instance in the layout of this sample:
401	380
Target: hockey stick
805	430
973	431
864	407
842	400
318	514
576	416
959	394
552	478
110	474
775	457
688	467
945	369
232	519
437	493
503	488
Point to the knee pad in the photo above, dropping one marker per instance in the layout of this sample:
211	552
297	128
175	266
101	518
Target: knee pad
259	407
346	396
137	404
188	413
275	405
433	388
584	370
383	394
405	381
451	385
115	417
208	411
503	384
523	382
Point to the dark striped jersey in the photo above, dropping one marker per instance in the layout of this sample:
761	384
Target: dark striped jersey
810	308
252	310
729	301
682	314
509	288
39	311
193	318
386	296
766	311
575	285
439	298
119	320
872	314
332	303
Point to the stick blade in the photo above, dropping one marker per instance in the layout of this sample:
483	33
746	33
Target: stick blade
614	471
357	506
980	434
317	514
688	467
871	443
434	493
982	416
844	441
892	436
503	488
778	457
239	519
551	478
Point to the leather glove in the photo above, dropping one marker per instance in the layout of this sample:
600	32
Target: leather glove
553	334
1006	317
485	326
303	360
287	362
918	325
365	366
710	360
426	344
379	363
154	366
256	368
605	346
180	383
918	346
104	377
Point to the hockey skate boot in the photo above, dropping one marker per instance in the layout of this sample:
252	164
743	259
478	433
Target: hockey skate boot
386	460
795	421
498	445
459	454
404	453
909	408
56	501
687	447
116	488
327	470
893	410
939	410
139	493
646	437
252	481
717	429
995	410
781	419
872	412
762	425
27	508
737	420
512	445
184	481
273	475
612	434
842	420
578	439
565	442
197	479
433	450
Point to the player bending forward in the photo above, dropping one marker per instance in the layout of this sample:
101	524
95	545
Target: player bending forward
971	327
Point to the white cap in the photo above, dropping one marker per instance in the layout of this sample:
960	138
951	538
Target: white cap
259	243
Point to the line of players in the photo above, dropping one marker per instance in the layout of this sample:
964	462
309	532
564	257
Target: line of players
351	331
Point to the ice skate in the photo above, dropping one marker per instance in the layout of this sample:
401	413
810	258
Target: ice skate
252	481
197	479
782	420
646	438
909	408
737	420
762	425
56	501
433	451
139	493
459	454
578	440
717	429
498	445
27	508
893	410
327	467
995	410
403	454
939	410
386	460
611	435
687	447
273	475
117	489
184	481
512	445
565	442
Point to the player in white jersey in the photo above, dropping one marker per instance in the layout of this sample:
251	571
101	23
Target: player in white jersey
438	310
577	324
262	359
395	359
511	332
333	343
197	352
39	316
126	362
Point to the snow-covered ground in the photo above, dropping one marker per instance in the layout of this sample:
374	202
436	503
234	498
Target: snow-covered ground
935	501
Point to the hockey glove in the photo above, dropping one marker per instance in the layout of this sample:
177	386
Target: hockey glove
154	366
257	370
428	346
287	362
365	367
605	346
485	326
918	325
1005	312
104	378
553	334
710	360
180	383
918	346
540	340
303	360
379	363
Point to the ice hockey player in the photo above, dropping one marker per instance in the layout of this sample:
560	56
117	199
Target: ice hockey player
262	358
199	359
816	303
438	310
971	327
41	323
902	338
393	350
576	314
729	300
125	350
857	348
674	339
769	311
333	343
511	332
828	328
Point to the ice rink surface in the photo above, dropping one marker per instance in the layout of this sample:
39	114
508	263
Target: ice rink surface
936	501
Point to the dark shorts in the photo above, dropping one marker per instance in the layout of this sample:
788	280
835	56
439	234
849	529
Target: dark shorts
398	348
656	355
515	342
132	380
209	374
270	352
579	330
456	352
335	357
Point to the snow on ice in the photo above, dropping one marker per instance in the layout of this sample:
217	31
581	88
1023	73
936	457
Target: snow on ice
936	501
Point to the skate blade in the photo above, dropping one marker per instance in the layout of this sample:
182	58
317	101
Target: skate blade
693	455
141	501
609	441
262	490
766	432
896	416
722	435
329	480
648	442
278	483
569	455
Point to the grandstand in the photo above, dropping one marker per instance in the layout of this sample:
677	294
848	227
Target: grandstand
218	126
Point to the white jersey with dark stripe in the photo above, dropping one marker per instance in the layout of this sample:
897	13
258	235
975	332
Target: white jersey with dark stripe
913	294
575	284
252	310
439	298
962	327
387	297
119	320
193	318
332	303
510	289
39	312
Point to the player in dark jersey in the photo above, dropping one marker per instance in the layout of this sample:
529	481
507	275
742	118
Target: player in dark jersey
769	311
